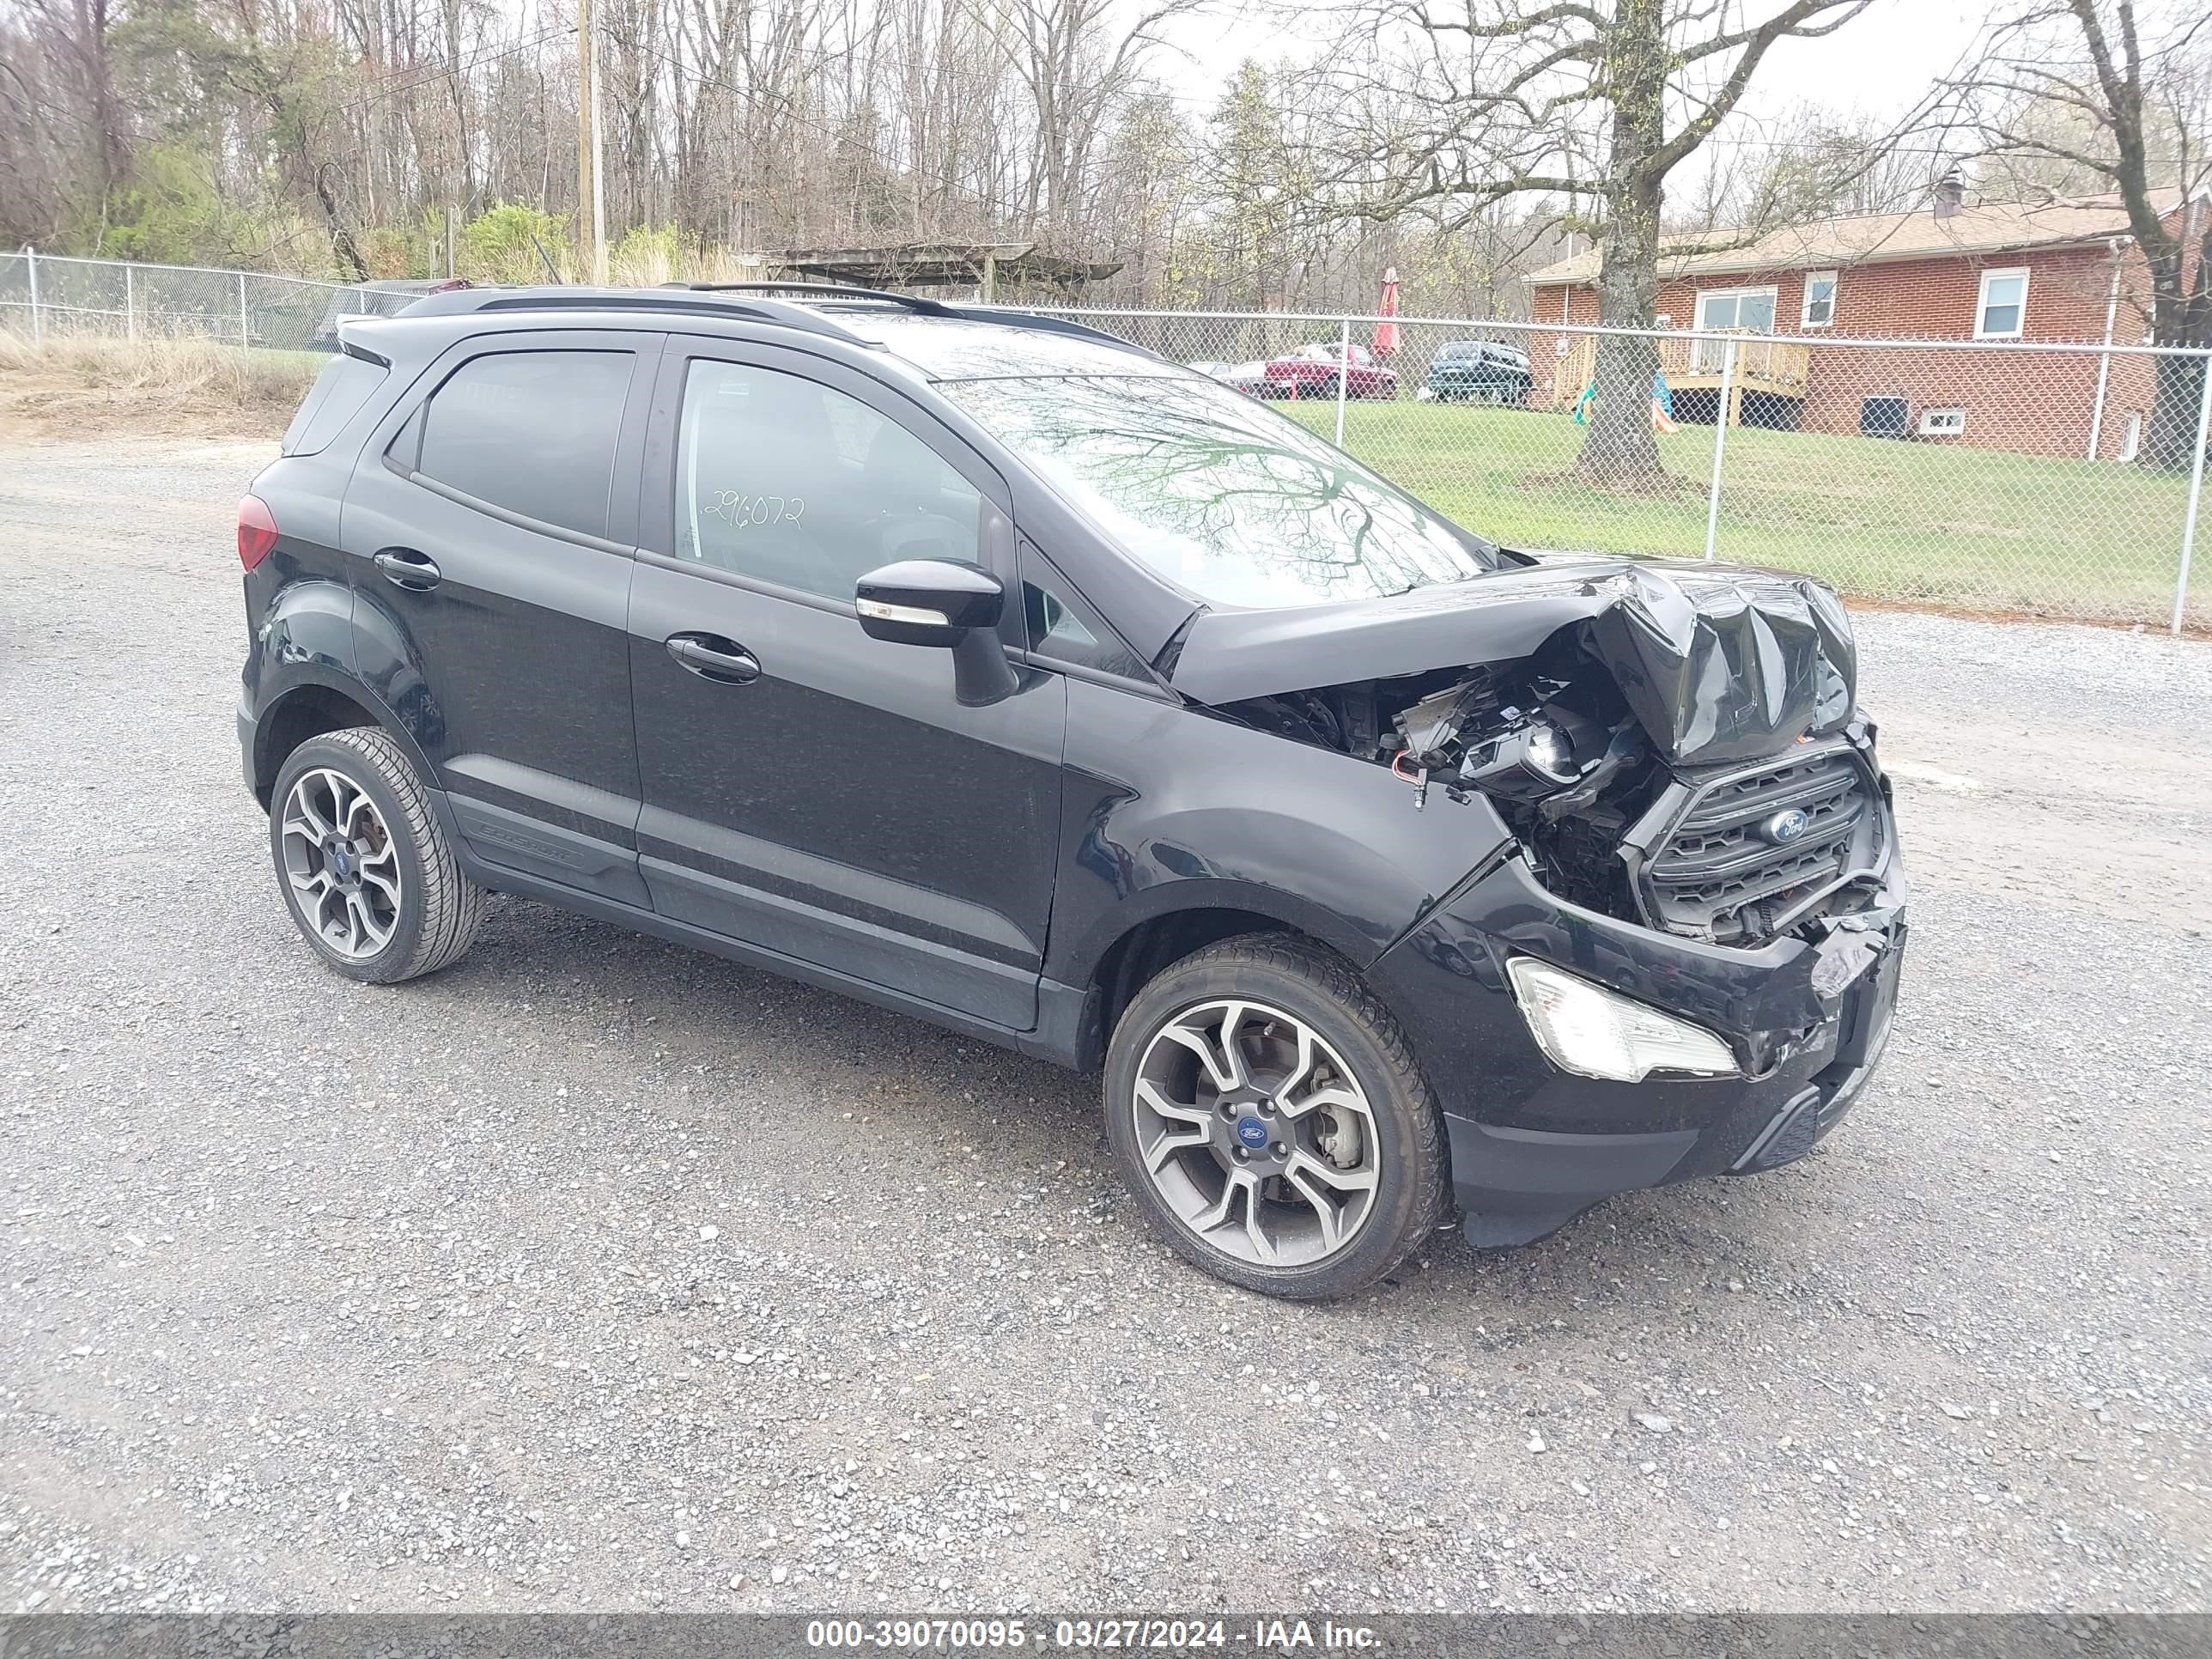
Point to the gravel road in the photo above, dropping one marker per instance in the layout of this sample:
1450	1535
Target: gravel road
596	1273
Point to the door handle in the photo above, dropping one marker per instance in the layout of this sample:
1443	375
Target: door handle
402	566
712	657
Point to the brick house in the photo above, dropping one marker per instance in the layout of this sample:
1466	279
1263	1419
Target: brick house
2064	270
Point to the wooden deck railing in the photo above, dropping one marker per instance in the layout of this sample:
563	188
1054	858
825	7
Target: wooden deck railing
1695	364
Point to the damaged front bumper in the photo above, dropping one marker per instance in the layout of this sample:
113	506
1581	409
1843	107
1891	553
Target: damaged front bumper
1534	1146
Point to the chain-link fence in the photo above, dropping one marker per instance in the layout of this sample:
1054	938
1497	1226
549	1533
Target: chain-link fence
2060	480
43	295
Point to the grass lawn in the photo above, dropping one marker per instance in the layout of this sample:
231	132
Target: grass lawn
80	386
1907	521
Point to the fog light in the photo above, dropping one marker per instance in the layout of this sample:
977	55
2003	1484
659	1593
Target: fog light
1586	1028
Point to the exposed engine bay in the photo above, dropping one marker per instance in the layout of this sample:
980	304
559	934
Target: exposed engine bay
1702	772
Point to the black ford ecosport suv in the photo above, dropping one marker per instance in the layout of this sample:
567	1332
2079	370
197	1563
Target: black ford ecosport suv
992	669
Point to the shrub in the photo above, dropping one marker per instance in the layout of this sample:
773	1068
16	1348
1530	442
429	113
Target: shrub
502	246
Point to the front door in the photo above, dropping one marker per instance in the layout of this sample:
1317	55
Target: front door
489	527
808	789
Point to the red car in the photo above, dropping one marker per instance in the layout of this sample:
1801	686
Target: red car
1311	371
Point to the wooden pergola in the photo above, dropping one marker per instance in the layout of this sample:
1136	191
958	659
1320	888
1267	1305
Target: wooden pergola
982	267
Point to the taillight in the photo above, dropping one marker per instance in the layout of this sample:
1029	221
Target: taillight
256	530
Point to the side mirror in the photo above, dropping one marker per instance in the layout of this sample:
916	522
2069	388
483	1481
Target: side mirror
928	601
947	603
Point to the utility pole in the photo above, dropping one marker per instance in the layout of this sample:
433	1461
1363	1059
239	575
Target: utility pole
591	187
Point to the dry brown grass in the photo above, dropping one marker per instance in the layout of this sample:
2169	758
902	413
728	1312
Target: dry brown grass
83	386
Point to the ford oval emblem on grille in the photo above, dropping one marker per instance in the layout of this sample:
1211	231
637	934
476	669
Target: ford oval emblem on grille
1785	827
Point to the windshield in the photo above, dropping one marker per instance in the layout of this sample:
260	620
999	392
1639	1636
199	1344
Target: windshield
1232	502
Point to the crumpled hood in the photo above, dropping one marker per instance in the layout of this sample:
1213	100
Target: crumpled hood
1718	662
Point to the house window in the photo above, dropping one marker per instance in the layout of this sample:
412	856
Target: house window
1943	422
2003	305
1819	299
1734	310
1751	309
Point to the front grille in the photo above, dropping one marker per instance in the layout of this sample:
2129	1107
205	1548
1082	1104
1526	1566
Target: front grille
1712	872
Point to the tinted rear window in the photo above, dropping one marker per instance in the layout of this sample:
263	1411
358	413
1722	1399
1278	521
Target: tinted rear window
336	397
534	432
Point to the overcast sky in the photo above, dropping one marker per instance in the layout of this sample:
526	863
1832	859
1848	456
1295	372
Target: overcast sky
1880	63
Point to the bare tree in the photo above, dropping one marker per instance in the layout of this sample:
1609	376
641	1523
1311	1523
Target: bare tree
2080	86
1074	66
337	137
1593	102
70	46
1809	164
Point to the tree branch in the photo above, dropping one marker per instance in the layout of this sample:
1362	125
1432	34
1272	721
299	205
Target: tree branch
1793	20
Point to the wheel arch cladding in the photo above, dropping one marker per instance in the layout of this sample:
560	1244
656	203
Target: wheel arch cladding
389	673
309	708
301	633
308	620
1150	944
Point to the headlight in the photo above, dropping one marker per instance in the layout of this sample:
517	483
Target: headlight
1586	1028
1550	753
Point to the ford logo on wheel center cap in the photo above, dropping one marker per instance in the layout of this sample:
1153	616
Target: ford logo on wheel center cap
1785	827
1251	1133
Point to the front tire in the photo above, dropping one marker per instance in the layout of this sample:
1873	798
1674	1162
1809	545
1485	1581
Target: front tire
1272	1122
363	867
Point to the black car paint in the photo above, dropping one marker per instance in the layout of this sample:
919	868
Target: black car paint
843	819
1718	664
511	597
851	800
1535	1146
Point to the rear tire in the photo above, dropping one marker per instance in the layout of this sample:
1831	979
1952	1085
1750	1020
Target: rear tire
363	867
1272	1122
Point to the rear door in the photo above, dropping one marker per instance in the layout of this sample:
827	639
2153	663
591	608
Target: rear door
808	789
489	529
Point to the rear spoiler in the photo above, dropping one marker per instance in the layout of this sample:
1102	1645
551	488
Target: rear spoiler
350	343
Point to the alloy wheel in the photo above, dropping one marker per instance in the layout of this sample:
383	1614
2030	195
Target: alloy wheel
340	859
1255	1134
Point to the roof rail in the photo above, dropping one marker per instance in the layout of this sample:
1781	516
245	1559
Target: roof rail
1005	316
465	301
1046	323
913	302
723	299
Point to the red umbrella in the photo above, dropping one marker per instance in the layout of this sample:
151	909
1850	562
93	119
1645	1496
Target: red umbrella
1386	334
